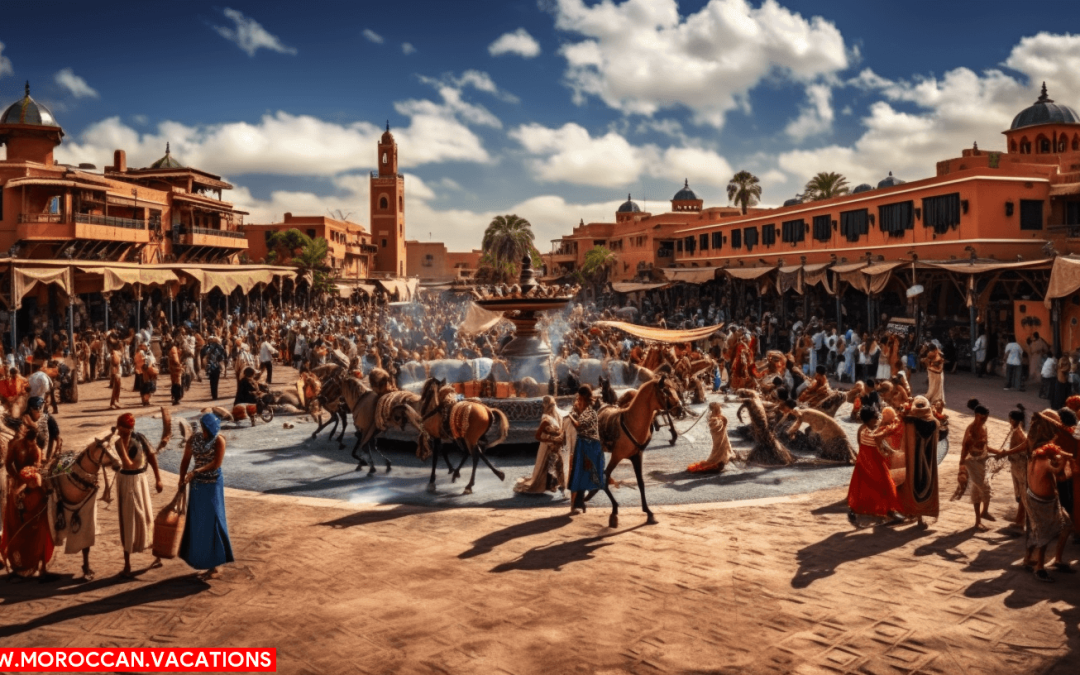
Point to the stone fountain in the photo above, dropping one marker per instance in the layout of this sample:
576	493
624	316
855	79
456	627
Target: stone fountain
527	354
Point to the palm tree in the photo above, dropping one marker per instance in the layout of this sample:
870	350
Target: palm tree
507	240
306	253
744	189
826	185
598	263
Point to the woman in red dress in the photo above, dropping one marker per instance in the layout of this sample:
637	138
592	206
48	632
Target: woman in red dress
872	491
27	544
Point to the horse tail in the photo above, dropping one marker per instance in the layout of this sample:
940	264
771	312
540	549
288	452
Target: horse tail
504	425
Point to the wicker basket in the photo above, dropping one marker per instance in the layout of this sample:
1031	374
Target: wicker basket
169	526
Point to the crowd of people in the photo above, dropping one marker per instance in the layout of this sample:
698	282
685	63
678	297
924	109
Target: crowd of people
791	379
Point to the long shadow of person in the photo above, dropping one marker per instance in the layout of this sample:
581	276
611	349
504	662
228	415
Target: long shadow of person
820	560
555	556
374	516
162	591
489	541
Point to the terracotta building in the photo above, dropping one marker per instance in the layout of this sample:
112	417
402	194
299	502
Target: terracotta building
433	263
162	213
643	243
350	252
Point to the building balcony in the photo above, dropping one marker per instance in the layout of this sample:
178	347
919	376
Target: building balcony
67	227
560	256
202	236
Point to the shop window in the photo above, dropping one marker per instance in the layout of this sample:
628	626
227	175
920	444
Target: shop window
896	219
750	237
703	242
736	239
1031	214
793	231
853	224
941	213
768	234
689	245
822	228
717	240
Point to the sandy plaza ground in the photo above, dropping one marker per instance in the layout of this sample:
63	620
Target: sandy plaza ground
775	585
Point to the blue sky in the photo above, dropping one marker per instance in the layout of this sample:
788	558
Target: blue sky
554	109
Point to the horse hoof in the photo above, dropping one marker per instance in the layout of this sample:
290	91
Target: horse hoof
501	475
358	467
431	488
388	467
651	520
468	491
371	470
613	521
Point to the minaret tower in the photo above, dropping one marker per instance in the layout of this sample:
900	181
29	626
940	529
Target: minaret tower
388	210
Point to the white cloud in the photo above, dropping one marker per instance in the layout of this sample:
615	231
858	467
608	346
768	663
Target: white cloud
641	56
407	48
477	79
571	155
249	35
952	112
518	42
372	36
280	143
5	63
75	85
815	118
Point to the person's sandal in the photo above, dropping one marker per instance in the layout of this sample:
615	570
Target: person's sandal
1044	576
1064	568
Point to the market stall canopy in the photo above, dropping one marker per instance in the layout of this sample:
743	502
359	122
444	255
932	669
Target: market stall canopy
1064	278
690	275
115	278
878	275
817	274
405	288
478	320
632	287
980	267
748	273
1065	189
25	278
791	277
661	334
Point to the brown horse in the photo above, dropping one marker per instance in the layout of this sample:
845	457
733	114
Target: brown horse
371	416
626	432
331	400
74	480
468	422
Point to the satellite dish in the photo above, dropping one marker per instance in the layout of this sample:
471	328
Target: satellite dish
915	290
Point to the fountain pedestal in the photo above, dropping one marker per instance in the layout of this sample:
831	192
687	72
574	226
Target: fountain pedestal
527	354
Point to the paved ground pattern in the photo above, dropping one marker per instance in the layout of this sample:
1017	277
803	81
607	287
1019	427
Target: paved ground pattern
780	585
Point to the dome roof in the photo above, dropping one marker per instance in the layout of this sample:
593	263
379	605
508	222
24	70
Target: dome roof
167	162
864	187
685	194
793	201
1045	111
28	111
387	137
889	181
629	206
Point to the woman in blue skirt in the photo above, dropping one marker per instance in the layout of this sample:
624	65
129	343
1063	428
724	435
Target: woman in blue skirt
205	544
587	466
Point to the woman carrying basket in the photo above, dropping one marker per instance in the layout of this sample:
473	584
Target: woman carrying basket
205	543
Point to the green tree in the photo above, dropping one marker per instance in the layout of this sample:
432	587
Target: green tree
507	240
826	185
295	248
744	190
599	260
